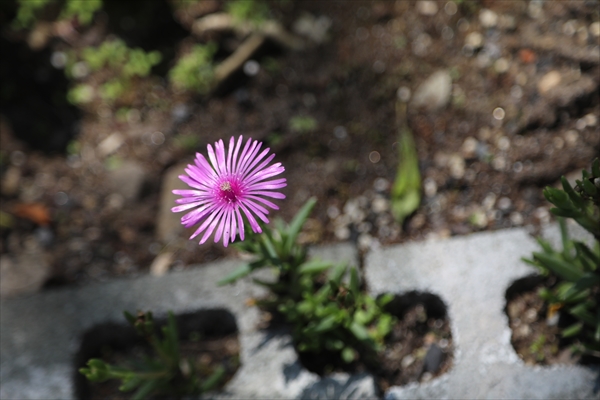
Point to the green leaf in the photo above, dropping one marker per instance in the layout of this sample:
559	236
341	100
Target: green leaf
146	389
354	282
336	274
268	249
130	382
172	337
573	195
359	331
559	267
564	236
545	245
581	312
325	324
213	380
383	300
297	223
235	275
589	188
586	252
572	330
314	267
129	317
348	354
559	198
406	190
596	167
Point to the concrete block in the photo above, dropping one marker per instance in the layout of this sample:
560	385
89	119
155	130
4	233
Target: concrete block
471	275
40	334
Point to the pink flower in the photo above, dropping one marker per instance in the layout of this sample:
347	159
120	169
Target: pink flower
230	185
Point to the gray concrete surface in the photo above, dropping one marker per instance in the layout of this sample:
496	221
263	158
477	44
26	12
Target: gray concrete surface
471	275
40	334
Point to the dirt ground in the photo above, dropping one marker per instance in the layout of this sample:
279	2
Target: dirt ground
521	110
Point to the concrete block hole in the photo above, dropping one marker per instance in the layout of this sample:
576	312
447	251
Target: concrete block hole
536	329
206	336
419	348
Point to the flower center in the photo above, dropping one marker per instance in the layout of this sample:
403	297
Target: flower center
228	192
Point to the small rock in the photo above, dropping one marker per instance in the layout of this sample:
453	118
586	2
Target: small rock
530	315
342	233
457	166
522	332
504	203
427	7
474	40
478	219
180	112
365	241
127	180
434	93
380	205
407	361
488	18
22	274
161	264
549	81
429	187
516	218
315	28
469	147
168	226
10	181
433	359
110	144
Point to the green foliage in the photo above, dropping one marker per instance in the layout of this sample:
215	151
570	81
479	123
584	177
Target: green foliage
254	11
123	64
186	142
303	124
576	266
337	316
164	373
83	10
406	190
327	313
195	70
581	203
80	94
27	12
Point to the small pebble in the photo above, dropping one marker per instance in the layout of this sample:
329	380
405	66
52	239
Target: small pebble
429	187
427	7
549	81
469	147
488	18
474	40
407	361
433	359
381	184
380	205
333	212
503	143
516	218
504	203
499	163
571	137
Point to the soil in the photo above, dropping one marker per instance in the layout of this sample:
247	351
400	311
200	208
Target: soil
536	329
418	349
523	111
207	339
206	355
